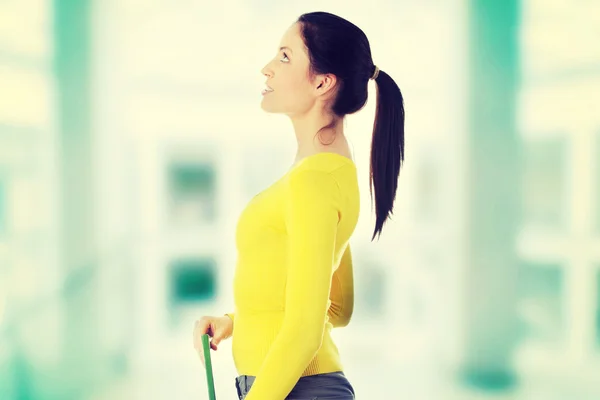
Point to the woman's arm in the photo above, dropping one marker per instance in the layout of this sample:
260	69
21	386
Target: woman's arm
342	292
311	221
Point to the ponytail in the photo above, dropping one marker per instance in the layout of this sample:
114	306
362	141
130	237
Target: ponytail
387	148
337	46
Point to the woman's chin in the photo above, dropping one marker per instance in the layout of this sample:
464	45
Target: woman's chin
267	108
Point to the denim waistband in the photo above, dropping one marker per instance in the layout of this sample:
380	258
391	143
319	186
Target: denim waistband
307	387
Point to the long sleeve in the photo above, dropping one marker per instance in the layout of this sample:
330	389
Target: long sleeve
342	292
311	218
232	316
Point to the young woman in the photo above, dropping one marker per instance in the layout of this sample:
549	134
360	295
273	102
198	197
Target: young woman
293	280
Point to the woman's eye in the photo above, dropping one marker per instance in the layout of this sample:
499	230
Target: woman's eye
285	56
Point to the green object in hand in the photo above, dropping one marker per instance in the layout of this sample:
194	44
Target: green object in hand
208	364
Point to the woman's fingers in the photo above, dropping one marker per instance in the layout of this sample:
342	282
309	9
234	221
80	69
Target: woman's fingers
206	325
219	334
200	328
218	328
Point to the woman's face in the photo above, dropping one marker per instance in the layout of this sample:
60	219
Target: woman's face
287	75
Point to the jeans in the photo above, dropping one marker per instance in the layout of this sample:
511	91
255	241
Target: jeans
329	386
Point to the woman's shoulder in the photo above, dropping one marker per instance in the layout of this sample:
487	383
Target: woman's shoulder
327	162
325	172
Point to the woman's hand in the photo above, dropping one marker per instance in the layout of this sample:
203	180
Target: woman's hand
218	328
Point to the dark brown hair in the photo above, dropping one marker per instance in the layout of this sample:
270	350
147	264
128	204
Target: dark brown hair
338	47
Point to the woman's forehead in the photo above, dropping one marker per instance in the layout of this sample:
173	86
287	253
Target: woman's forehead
292	39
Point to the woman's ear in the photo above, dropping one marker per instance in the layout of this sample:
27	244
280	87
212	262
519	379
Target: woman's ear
326	83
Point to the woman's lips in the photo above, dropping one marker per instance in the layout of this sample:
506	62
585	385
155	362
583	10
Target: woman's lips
267	89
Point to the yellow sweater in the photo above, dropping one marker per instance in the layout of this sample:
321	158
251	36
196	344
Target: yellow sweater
293	280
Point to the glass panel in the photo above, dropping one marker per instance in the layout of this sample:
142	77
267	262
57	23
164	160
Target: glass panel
596	182
548	32
3	211
192	280
371	295
427	190
545	183
598	307
262	164
192	193
541	288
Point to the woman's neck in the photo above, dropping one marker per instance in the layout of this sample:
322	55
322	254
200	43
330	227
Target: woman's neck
330	139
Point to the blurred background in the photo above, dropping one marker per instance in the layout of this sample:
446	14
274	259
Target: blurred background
131	137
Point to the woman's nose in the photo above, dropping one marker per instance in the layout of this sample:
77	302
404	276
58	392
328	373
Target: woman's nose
266	71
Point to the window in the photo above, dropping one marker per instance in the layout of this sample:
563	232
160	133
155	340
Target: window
192	193
545	184
598	307
3	212
371	295
262	165
427	188
192	280
541	289
596	182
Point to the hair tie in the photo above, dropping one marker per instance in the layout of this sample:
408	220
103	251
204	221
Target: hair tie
376	73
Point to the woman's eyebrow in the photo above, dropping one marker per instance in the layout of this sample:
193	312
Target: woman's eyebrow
285	47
